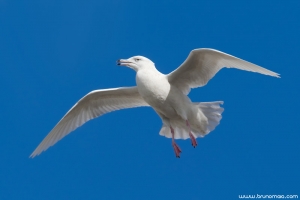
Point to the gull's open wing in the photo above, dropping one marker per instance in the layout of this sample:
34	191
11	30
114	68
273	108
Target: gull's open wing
202	64
94	104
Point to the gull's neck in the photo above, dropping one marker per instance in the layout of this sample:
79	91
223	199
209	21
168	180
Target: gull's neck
149	74
149	69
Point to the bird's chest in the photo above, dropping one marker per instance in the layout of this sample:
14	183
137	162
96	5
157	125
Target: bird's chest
154	88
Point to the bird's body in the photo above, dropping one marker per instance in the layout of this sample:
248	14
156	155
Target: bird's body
156	90
153	87
167	100
166	94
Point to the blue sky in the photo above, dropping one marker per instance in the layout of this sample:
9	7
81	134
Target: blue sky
53	52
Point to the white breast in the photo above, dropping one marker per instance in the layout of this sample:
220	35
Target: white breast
158	93
152	84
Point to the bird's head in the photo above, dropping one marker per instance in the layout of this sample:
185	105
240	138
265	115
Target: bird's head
136	63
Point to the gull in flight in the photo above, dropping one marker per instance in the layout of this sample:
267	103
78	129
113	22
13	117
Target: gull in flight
165	93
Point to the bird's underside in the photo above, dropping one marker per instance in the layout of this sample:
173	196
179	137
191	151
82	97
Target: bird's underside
193	119
202	120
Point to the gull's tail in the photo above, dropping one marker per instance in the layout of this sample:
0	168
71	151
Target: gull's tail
208	117
213	112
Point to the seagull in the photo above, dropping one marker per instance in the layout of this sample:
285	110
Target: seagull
165	93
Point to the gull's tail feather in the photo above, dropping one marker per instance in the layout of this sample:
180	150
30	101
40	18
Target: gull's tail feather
180	130
213	114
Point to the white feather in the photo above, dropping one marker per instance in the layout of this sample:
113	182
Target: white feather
211	110
202	64
94	104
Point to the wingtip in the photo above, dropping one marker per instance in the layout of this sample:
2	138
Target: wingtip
32	156
276	75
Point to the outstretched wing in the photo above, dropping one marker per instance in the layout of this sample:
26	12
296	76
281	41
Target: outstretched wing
92	105
202	64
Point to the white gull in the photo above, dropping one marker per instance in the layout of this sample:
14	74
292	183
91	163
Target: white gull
166	94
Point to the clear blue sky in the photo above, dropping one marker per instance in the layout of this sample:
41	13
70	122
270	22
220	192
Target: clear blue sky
53	52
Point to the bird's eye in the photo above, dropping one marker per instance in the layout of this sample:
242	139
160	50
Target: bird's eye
137	59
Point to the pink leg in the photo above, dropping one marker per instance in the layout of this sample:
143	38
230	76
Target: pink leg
175	146
193	139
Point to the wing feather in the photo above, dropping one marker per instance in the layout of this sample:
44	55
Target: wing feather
202	64
94	104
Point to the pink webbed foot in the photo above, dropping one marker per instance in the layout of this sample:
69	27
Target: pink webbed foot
176	148
193	139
